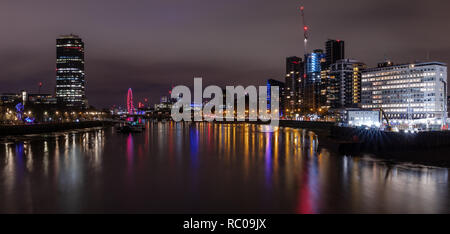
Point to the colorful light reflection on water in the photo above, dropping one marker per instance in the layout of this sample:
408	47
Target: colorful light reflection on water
202	167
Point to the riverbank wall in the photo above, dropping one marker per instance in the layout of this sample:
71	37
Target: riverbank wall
9	130
427	148
373	139
376	140
307	125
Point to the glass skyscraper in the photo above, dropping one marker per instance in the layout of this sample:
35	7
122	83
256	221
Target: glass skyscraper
70	76
311	84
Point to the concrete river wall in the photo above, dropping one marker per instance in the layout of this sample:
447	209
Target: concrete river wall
376	140
362	139
8	130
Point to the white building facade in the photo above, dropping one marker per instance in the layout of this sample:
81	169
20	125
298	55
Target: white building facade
367	118
408	93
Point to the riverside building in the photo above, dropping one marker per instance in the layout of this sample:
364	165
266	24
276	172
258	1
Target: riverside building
409	94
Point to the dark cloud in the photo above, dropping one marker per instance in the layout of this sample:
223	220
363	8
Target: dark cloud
154	79
152	45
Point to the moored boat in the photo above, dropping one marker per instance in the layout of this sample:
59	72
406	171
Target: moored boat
130	129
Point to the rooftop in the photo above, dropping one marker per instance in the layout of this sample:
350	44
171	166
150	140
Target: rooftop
69	36
406	65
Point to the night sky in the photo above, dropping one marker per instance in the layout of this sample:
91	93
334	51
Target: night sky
154	44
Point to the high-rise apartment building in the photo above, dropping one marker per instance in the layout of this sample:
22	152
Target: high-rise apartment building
292	95
344	84
275	83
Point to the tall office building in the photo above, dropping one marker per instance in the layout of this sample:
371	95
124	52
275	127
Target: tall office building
312	97
408	93
70	76
344	86
335	51
292	94
275	83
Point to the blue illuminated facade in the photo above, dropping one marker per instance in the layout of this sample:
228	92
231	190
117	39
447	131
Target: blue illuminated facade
312	81
313	62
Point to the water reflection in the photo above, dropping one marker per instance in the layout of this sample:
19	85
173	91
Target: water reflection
204	167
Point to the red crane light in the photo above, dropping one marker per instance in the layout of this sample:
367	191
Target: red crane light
305	27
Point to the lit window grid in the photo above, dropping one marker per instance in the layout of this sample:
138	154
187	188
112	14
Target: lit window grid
423	83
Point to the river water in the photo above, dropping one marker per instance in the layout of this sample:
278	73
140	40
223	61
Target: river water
207	168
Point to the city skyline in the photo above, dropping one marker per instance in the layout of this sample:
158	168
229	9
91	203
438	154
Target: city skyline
121	57
206	107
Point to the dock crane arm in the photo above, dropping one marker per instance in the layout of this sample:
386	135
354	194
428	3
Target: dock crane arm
387	119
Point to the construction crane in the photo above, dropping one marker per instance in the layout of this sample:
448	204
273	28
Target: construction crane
388	127
305	28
